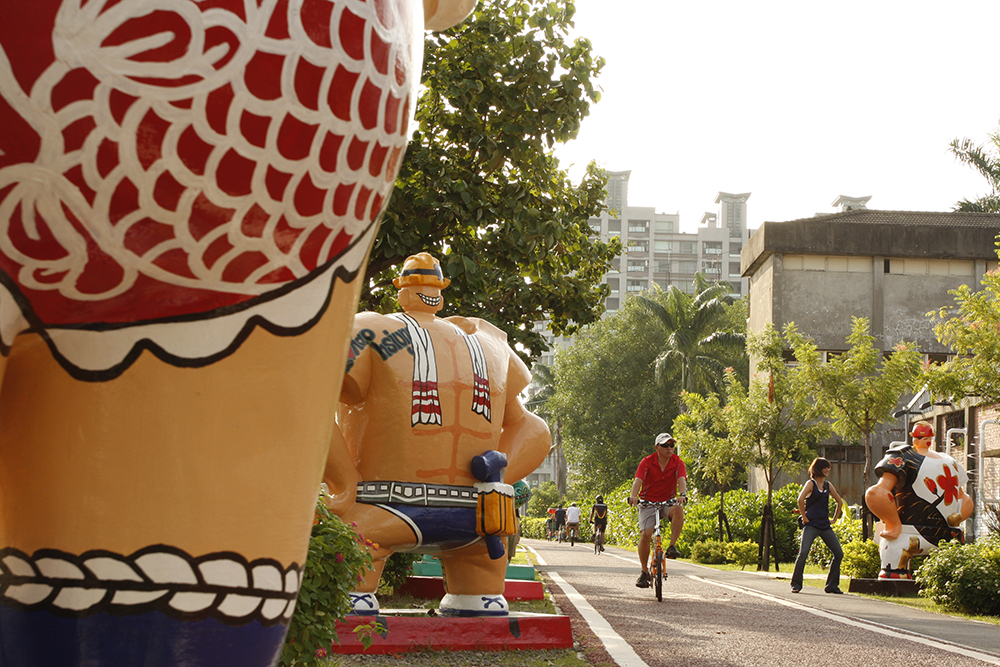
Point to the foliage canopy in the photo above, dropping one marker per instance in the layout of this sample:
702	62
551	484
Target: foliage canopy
982	159
971	328
700	342
607	397
480	188
859	389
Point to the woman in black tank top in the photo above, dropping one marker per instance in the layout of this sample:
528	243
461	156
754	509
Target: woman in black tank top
814	508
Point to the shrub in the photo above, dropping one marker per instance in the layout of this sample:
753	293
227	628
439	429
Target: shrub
333	567
964	578
709	551
742	553
533	527
861	559
398	568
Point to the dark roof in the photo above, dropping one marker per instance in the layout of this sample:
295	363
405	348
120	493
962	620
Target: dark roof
910	218
866	232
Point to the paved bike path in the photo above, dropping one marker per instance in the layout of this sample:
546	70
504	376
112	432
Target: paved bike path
696	598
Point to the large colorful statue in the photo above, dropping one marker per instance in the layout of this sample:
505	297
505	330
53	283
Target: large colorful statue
921	500
188	193
432	419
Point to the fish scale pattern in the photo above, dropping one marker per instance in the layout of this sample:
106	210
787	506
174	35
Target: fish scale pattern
192	156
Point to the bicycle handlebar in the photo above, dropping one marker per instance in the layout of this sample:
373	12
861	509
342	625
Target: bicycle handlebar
657	503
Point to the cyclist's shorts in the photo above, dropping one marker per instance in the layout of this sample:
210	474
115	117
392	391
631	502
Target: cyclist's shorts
647	516
601	523
571	526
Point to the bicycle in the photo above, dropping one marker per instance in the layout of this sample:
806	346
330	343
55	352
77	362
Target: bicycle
598	540
658	569
572	534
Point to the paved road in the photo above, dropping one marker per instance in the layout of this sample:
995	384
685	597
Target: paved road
708	617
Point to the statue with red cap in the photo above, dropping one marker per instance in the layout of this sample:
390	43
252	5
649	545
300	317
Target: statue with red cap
921	500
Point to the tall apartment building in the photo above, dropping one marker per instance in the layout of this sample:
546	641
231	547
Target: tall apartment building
656	252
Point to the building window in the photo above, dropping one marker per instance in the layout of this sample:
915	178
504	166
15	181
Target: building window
663	246
734	268
712	247
687	247
687	267
636	286
611	303
735	249
638	227
637	266
615	225
638	246
665	226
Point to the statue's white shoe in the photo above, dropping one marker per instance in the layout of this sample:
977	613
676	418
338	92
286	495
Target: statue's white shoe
363	604
474	605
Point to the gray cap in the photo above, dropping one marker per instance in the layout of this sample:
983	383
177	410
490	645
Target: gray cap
664	439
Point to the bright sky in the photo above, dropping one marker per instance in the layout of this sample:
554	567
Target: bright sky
795	102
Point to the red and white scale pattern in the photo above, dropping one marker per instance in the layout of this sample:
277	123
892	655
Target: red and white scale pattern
177	167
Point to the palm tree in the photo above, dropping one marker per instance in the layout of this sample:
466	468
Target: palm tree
986	164
700	344
543	378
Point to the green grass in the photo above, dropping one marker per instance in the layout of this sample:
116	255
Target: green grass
926	604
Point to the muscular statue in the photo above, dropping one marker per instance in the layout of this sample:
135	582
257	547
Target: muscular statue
921	500
189	190
432	421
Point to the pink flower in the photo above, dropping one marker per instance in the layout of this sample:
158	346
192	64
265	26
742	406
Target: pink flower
321	652
340	557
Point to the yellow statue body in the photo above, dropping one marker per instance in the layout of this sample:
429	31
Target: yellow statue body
188	194
424	399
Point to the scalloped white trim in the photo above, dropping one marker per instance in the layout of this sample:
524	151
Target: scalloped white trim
166	580
95	351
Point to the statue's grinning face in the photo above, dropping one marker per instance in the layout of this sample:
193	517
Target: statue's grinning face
430	300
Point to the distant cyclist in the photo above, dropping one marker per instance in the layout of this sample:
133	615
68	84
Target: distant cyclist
660	476
560	522
599	517
573	514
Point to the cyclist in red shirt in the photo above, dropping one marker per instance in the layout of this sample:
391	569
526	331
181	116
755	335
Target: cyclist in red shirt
660	476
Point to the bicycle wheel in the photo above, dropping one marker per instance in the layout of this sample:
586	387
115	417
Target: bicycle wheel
597	543
658	578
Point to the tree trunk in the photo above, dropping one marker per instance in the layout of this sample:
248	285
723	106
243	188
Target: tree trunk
723	519
866	515
561	468
766	533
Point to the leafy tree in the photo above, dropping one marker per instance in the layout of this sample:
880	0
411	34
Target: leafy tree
542	498
859	389
699	341
607	398
987	164
774	419
714	462
971	328
542	377
479	186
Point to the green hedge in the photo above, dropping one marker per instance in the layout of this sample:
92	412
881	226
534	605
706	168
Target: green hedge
701	520
964	578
